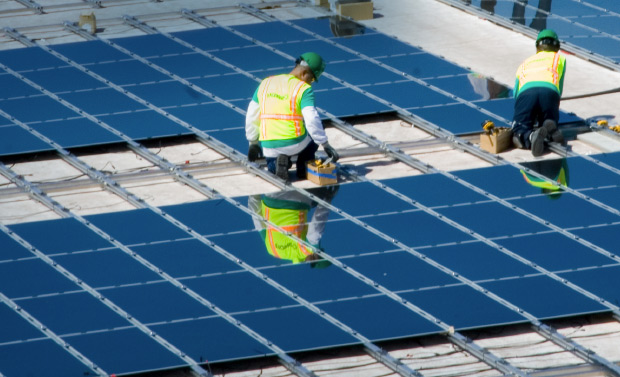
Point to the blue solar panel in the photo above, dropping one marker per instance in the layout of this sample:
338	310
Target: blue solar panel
23	109
462	307
15	328
191	65
602	236
602	281
347	102
377	45
77	132
228	87
273	32
90	52
545	298
72	313
144	124
152	45
555	252
127	72
35	278
64	79
104	101
18	87
423	65
171	93
210	116
457	118
223	217
16	140
211	39
29	58
253	57
609	196
330	54
407	94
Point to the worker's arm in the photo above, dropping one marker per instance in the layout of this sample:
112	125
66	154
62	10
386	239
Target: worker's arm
252	121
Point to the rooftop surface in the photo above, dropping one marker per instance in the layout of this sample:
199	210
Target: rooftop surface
473	41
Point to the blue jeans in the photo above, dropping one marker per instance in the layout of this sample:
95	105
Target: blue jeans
535	105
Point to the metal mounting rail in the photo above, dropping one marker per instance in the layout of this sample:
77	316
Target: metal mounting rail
544	330
47	332
407	115
93	292
31	5
509	24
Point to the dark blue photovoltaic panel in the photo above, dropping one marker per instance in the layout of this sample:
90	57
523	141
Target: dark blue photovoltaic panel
32	277
212	39
211	217
458	118
110	350
152	45
603	282
433	190
254	58
77	132
273	32
543	297
319	284
417	229
51	360
555	251
73	313
478	261
18	87
64	79
237	292
11	249
347	102
343	238
29	58
604	236
170	93
347	199
296	329
492	220
609	196
144	124
612	159
186	258
397	321
553	209
128	72
462	307
90	52
137	226
249	248
472	87
104	101
158	302
210	116
377	45
16	140
233	137
197	338
191	65
409	94
400	271
330	53
106	268
423	65
15	328
228	87
36	109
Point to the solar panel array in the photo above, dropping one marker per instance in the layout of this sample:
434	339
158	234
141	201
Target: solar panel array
198	283
591	25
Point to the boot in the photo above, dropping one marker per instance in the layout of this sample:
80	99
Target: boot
537	139
552	129
282	164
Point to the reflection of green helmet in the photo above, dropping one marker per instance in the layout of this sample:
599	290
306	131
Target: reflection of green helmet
315	62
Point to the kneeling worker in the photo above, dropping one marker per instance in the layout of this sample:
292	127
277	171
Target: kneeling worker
282	120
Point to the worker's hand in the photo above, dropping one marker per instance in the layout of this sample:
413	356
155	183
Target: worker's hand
331	152
254	151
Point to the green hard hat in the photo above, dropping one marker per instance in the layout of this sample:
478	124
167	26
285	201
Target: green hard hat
315	62
546	33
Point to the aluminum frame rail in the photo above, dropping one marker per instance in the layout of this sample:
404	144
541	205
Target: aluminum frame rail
425	125
543	329
579	51
32	5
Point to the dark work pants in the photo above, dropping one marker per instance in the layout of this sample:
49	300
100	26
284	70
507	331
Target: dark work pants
535	105
302	160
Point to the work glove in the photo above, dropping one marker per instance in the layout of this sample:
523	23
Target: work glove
331	152
254	151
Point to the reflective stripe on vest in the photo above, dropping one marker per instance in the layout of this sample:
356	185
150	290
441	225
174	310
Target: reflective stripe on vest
281	245
280	113
542	67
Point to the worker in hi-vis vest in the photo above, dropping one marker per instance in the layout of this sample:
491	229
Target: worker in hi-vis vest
555	170
288	212
537	91
282	120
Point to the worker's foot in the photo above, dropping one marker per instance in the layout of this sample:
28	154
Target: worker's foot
537	139
282	164
553	131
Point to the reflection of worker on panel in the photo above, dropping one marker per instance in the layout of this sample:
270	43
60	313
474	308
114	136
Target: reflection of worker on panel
556	170
539	22
288	211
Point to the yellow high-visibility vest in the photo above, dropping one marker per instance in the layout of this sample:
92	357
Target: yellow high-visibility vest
546	69
291	220
281	119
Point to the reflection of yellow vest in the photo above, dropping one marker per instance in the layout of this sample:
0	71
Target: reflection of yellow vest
290	220
280	110
546	67
543	184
